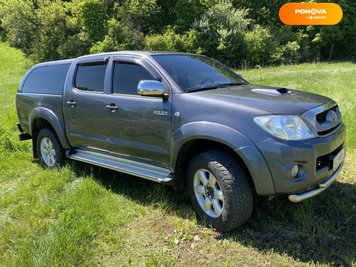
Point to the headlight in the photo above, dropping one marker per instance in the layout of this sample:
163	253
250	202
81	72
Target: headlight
285	127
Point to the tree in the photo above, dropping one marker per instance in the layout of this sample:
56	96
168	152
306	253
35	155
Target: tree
19	22
119	37
186	12
92	15
138	15
172	41
221	28
233	31
53	30
259	45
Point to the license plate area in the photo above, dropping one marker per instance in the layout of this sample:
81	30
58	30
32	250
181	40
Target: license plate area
338	159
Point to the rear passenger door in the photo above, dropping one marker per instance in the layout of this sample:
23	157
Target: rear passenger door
85	99
141	125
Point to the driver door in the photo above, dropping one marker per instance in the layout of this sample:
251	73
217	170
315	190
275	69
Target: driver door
141	125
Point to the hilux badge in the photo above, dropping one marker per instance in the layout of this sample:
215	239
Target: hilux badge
160	113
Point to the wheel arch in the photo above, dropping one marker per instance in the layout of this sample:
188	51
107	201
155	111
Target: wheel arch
202	138
41	118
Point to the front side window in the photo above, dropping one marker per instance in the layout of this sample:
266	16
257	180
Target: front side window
194	72
127	76
90	77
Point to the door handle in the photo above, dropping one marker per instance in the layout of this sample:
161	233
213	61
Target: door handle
112	107
71	103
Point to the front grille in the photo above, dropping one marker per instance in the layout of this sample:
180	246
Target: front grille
325	119
321	117
326	132
326	160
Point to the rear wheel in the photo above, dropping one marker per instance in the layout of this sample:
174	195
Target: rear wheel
49	149
219	190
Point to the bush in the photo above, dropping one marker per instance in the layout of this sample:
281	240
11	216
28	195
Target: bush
234	32
140	16
53	31
119	37
287	54
187	11
19	23
92	16
260	47
171	41
74	46
222	28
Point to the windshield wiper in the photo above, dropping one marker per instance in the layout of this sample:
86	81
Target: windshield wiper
231	84
208	86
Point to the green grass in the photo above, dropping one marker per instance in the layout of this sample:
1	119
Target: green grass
83	215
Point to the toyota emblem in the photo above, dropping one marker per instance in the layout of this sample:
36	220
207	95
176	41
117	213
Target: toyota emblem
331	116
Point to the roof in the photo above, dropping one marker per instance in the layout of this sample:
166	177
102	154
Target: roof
138	53
125	52
56	62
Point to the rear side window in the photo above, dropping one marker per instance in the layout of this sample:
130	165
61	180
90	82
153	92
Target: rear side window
46	80
127	76
90	77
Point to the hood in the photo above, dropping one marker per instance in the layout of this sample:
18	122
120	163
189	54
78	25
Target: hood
273	100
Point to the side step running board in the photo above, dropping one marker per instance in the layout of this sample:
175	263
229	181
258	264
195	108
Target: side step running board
143	170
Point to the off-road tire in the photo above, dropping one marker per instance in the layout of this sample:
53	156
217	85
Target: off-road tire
234	184
47	161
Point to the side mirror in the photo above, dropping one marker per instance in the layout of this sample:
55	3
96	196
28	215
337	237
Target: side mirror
150	88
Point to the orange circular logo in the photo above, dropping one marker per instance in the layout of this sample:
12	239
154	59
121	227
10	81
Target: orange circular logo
310	14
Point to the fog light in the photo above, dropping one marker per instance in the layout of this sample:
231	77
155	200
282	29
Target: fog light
294	171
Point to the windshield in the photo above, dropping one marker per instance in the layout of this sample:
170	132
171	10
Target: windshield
194	72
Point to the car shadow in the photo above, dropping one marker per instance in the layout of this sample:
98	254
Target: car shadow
320	230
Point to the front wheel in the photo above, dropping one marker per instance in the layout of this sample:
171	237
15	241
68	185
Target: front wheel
49	149
219	190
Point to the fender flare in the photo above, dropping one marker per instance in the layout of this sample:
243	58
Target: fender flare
207	131
49	116
238	142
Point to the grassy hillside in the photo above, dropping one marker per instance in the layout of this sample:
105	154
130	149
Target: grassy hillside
83	215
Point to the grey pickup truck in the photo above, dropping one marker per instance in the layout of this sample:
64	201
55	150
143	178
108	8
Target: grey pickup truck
185	120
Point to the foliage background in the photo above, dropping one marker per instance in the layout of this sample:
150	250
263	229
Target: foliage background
240	33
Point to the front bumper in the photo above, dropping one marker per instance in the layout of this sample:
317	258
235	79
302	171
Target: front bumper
314	158
324	185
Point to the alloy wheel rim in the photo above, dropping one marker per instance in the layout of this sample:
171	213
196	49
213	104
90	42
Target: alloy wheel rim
208	193
48	152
